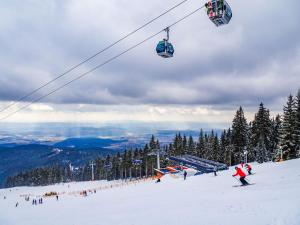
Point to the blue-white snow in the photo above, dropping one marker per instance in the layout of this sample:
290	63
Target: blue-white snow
207	200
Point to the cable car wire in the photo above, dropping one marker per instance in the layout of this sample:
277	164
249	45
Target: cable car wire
91	57
101	65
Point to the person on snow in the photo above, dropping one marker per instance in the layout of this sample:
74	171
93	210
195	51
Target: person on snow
184	175
242	175
242	164
215	170
249	168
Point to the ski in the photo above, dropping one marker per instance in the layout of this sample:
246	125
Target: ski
241	185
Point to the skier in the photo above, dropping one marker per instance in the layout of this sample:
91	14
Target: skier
242	175
215	170
249	168
242	164
17	204
184	175
56	197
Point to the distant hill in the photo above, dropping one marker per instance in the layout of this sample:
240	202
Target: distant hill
77	151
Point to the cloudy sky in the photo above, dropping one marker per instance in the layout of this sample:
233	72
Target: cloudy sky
214	70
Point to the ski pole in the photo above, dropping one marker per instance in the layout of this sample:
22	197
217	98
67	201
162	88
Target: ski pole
247	180
237	179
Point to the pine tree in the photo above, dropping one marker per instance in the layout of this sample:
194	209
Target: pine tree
275	137
222	149
261	134
229	148
200	145
184	145
152	143
191	146
206	150
239	136
178	145
157	144
288	142
215	148
250	147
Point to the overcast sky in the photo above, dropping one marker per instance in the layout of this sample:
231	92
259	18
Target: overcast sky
214	69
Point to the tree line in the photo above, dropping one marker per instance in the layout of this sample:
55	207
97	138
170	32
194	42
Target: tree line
264	139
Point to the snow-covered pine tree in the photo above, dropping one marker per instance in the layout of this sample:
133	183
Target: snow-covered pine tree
191	146
275	137
222	148
206	146
200	144
210	146
216	148
239	135
288	145
157	144
184	145
249	146
171	150
152	143
178	145
261	134
229	148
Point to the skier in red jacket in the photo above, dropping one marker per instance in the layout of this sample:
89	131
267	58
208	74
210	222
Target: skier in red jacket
242	175
249	168
242	164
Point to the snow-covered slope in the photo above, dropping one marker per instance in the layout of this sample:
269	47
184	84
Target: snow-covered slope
205	199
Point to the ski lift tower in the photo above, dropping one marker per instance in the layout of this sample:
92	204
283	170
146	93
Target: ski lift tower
157	153
245	156
281	154
92	165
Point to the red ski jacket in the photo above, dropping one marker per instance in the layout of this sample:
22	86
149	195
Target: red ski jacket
249	167
240	172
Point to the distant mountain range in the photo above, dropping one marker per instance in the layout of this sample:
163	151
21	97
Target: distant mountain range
24	147
77	151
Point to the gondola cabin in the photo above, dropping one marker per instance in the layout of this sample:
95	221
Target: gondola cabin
219	12
165	49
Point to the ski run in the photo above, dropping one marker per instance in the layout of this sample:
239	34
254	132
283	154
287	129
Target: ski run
274	199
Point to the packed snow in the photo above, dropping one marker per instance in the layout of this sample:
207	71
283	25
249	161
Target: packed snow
274	199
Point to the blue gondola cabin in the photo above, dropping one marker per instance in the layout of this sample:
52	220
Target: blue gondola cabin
165	49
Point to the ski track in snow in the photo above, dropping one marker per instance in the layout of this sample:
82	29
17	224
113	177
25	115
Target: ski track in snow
203	200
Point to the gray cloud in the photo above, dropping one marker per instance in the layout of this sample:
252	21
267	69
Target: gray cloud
253	59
